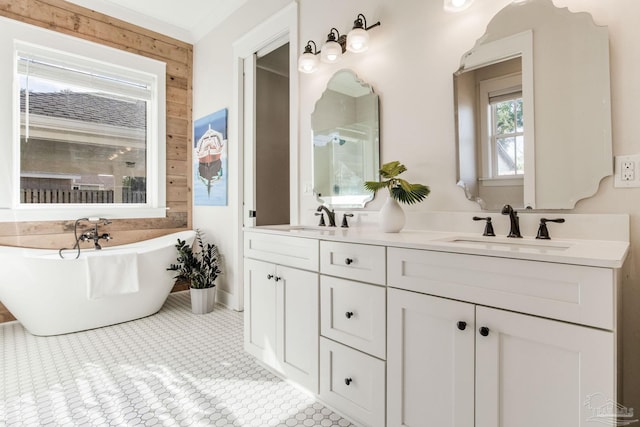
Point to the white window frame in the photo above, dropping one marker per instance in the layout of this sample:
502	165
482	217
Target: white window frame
14	36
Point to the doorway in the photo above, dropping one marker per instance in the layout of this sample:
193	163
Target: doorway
278	30
272	192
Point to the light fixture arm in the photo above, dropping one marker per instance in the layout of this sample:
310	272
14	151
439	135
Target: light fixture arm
361	22
309	49
331	37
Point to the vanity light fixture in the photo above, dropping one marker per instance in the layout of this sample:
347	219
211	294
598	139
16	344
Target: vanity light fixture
308	61
358	38
356	41
456	5
333	48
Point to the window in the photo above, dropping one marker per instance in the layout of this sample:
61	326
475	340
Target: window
88	130
507	134
83	131
502	129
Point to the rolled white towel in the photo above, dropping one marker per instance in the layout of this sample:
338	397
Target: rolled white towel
111	274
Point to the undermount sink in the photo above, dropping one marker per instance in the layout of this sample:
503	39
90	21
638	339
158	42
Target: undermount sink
509	244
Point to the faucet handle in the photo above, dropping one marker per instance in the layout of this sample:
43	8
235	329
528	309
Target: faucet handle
543	231
322	223
345	224
488	227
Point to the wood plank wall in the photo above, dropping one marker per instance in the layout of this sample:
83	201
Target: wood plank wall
68	18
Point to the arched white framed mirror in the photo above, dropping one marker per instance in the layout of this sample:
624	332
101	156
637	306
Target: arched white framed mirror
562	148
345	138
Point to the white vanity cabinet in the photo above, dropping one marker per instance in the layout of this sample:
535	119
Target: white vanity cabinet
281	321
353	330
528	369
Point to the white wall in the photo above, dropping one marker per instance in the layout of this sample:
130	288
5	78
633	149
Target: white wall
410	64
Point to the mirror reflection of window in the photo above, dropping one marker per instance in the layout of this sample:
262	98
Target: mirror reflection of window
507	134
501	124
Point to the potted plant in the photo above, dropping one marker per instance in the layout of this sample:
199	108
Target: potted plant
392	216
200	266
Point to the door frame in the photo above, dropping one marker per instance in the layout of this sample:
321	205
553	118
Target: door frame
280	26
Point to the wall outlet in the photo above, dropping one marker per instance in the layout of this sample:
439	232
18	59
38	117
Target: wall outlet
626	171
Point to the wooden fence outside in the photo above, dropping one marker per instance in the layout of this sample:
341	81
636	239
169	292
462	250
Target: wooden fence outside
79	196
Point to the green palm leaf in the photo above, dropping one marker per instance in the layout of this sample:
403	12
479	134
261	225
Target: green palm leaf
399	189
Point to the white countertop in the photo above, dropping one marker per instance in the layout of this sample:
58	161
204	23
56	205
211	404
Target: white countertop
595	253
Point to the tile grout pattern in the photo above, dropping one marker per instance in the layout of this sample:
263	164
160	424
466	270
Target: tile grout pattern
170	369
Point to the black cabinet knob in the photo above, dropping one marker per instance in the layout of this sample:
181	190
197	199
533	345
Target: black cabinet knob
462	325
348	261
269	276
348	381
277	278
349	314
484	331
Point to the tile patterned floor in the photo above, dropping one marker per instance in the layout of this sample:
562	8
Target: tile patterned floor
170	369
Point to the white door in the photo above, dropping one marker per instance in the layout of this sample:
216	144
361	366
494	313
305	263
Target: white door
298	325
260	314
430	361
533	372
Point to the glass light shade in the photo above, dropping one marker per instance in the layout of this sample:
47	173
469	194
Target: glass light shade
307	63
456	5
331	52
357	40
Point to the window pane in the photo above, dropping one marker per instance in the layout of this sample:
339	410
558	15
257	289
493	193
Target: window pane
506	156
510	155
519	116
505	117
80	145
520	155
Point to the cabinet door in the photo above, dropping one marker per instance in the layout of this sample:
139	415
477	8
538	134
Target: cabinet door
430	361
533	372
298	329
261	306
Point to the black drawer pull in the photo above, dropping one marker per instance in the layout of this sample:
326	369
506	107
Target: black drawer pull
462	325
484	331
269	276
348	261
348	381
349	314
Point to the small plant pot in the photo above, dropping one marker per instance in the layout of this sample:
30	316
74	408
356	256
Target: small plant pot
202	300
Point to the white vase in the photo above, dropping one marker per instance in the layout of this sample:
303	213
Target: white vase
202	300
392	217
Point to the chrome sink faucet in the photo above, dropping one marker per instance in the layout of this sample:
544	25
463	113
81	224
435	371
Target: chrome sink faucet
514	230
330	214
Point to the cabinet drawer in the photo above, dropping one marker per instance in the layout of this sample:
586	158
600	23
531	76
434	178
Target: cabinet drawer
353	261
352	382
354	314
284	250
577	294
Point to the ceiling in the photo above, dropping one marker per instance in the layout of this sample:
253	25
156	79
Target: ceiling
186	20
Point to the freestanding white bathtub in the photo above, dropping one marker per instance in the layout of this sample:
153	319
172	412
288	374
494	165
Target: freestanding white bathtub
51	296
